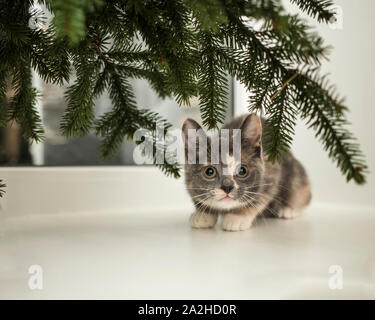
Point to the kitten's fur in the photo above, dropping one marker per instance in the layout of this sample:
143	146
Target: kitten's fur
279	190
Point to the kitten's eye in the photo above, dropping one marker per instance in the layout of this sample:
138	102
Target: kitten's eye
210	172
242	172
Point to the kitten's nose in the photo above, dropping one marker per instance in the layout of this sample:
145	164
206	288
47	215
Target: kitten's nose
227	189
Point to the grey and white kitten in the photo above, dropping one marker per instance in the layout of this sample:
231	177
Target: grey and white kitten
242	189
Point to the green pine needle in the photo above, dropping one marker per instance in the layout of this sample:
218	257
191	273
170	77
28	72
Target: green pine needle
2	187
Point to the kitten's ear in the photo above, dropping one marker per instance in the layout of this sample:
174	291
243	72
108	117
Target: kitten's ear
197	135
190	124
251	130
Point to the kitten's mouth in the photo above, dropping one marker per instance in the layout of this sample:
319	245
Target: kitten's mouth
226	198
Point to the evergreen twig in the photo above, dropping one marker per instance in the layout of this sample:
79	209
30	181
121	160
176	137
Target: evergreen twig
2	187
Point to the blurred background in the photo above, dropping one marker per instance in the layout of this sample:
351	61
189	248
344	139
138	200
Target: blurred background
57	150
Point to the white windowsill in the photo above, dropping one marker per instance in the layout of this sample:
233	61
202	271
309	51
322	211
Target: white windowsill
106	189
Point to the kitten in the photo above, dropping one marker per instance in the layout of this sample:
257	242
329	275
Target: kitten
242	189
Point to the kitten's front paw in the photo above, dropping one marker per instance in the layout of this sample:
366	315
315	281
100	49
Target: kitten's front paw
201	220
236	222
289	213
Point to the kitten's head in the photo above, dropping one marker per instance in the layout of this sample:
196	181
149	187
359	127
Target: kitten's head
231	180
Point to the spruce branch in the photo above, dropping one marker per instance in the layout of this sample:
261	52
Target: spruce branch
113	126
49	56
325	108
280	124
138	63
126	118
285	84
294	43
3	87
210	14
325	113
2	187
79	115
212	83
319	9
172	42
21	107
70	17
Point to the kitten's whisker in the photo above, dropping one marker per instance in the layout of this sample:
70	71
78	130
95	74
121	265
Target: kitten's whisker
250	201
201	195
268	197
277	186
269	184
202	207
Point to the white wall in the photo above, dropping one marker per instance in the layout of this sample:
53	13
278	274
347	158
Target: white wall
352	69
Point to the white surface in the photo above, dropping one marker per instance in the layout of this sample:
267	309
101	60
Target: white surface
157	256
351	68
51	190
